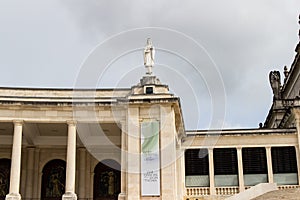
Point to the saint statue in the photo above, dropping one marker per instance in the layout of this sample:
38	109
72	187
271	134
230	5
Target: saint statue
111	183
274	78
149	53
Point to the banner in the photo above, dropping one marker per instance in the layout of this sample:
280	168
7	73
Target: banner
150	159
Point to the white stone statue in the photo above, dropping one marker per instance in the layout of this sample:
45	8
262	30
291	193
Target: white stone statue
149	53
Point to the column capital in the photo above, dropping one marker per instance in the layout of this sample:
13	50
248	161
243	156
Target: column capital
122	121
81	149
18	122
210	148
71	122
239	148
268	147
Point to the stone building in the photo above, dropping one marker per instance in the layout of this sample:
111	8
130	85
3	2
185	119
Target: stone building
131	144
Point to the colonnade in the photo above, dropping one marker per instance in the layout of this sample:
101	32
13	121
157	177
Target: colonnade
240	171
14	193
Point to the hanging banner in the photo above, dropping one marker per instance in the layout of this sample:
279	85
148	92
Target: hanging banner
150	159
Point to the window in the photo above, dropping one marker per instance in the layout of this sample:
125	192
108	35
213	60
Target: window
284	160
196	162
254	160
149	90
225	161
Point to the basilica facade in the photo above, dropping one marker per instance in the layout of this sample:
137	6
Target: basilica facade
109	144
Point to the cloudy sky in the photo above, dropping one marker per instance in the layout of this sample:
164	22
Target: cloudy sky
215	55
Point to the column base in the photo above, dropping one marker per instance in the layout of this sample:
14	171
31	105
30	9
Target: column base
69	196
13	196
122	196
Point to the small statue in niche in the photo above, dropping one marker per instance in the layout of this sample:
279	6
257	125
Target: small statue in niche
111	183
274	77
3	186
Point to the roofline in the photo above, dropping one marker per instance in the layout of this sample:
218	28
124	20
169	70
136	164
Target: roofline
63	89
239	131
292	69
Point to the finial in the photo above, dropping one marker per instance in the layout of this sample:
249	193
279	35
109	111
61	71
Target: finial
298	45
299	29
149	54
285	71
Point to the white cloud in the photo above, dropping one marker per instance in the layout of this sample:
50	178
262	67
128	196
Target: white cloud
44	43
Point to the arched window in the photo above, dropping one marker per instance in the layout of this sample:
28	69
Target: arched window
53	180
107	180
4	177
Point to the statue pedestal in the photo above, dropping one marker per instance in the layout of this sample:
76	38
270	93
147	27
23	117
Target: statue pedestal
13	196
122	196
69	196
150	80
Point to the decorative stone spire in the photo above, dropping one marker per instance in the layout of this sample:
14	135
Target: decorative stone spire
285	71
149	54
298	46
299	29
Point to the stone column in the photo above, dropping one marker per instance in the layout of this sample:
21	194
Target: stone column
297	120
122	195
269	164
168	158
71	163
180	173
29	174
133	159
211	171
297	147
240	169
92	174
23	172
183	172
298	162
82	157
36	182
15	163
88	176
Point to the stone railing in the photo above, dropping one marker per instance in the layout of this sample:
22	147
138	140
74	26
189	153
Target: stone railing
282	187
247	187
197	191
227	190
204	191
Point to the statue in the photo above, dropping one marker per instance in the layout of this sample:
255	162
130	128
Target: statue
111	183
149	53
274	77
299	29
56	186
3	186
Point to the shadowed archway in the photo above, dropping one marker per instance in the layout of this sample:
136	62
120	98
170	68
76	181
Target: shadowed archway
53	180
4	177
107	180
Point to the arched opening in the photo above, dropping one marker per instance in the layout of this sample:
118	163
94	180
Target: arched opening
107	180
53	180
4	177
